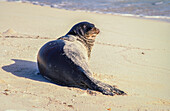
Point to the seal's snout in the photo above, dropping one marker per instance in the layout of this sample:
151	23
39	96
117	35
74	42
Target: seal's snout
95	30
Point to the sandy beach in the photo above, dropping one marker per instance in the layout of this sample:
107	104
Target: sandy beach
131	53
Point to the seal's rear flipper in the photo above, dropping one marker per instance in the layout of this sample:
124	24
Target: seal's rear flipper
104	88
107	89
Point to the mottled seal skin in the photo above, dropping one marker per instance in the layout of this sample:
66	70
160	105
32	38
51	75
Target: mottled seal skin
65	60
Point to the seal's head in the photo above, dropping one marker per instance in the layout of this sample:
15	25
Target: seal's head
86	33
84	30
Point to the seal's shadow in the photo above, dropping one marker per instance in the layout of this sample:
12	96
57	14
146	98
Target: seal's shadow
26	69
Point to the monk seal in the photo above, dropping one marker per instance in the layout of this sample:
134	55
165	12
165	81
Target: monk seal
65	61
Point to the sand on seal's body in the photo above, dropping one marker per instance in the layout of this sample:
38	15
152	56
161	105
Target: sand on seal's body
131	53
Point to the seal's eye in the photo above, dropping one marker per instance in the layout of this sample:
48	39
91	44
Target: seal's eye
88	29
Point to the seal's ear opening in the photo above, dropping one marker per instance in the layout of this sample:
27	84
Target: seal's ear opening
80	29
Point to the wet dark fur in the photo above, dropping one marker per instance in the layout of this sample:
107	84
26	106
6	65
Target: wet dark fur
65	60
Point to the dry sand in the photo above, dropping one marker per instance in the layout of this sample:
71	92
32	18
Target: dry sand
131	53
